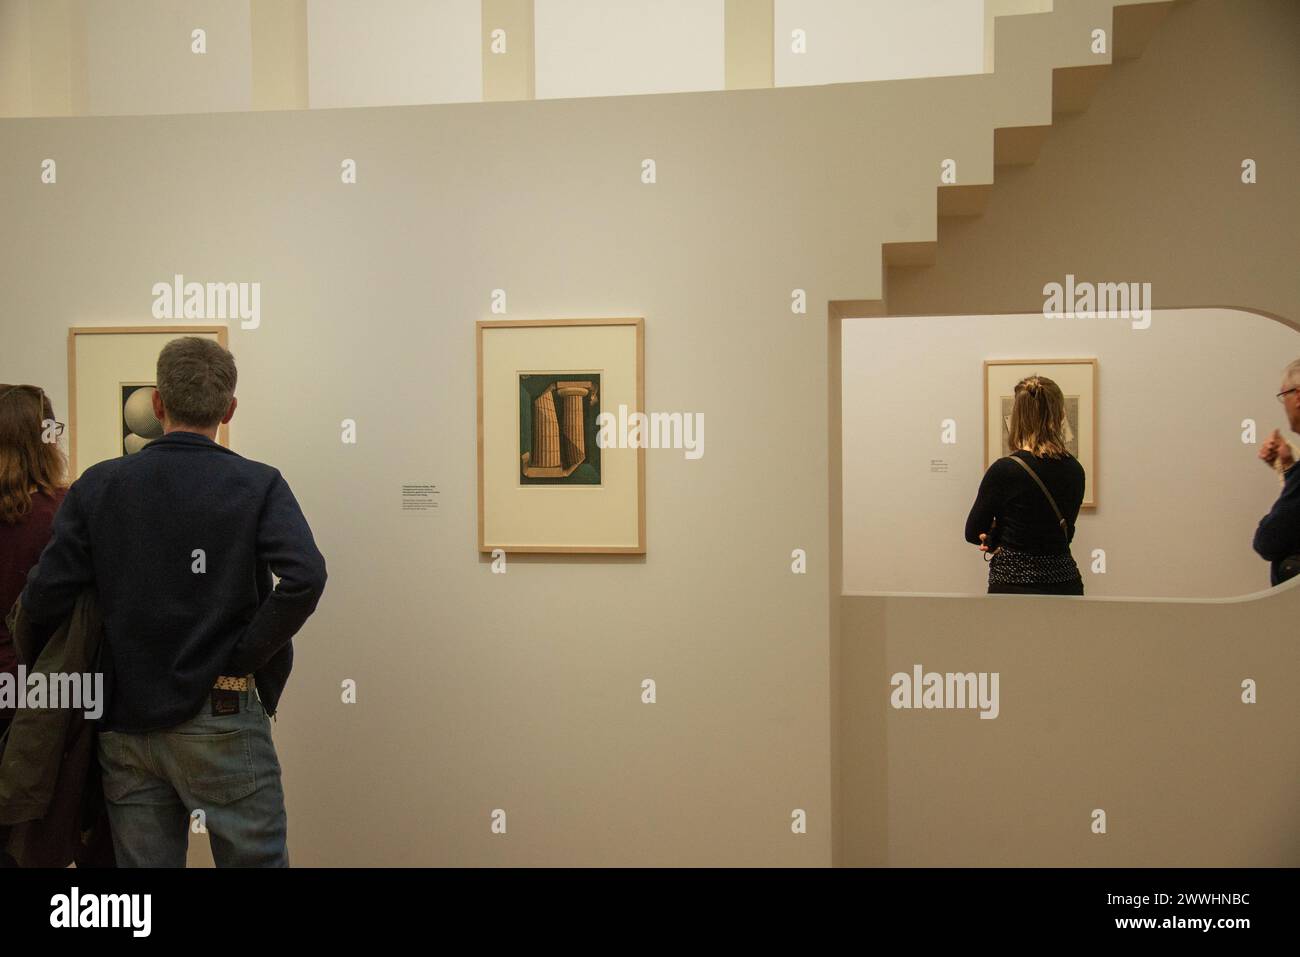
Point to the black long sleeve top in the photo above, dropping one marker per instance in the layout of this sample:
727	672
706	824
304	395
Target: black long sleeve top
1025	520
180	541
1278	535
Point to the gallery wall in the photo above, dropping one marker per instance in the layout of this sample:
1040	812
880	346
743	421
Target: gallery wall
1173	476
1129	706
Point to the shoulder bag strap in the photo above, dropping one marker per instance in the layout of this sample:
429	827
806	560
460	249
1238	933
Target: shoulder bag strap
1065	529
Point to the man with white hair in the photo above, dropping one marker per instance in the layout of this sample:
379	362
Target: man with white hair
1277	539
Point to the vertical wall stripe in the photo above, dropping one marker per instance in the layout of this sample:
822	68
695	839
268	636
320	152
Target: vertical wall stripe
52	28
78	60
279	29
511	75
15	59
750	52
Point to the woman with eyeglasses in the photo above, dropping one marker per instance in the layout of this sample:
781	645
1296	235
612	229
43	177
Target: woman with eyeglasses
33	480
1024	514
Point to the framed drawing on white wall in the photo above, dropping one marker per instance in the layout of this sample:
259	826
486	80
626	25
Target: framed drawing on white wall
1077	379
546	483
111	377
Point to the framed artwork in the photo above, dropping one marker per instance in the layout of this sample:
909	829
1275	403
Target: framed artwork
110	389
545	484
139	424
558	413
1078	381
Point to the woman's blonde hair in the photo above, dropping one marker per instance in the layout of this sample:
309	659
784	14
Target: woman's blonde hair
26	459
1038	418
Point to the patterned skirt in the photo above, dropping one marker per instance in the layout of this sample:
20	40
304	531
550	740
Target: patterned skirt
1010	567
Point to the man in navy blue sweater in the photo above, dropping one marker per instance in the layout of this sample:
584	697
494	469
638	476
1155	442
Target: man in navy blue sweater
180	541
1277	537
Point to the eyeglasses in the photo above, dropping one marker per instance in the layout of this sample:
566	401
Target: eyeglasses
1281	396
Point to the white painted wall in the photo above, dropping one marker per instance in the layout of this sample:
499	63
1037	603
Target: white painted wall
849	41
393	52
620	47
139	59
1179	494
15	59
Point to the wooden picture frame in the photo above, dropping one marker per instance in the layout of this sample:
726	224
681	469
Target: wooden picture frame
543	510
75	335
1078	378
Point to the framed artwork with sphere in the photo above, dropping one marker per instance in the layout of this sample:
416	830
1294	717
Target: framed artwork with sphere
111	381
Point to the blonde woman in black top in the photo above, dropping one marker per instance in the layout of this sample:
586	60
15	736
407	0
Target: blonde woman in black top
1024	527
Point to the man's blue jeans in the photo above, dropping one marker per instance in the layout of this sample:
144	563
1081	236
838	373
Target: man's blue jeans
223	766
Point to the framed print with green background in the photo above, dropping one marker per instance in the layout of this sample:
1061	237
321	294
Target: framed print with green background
111	373
544	482
1078	381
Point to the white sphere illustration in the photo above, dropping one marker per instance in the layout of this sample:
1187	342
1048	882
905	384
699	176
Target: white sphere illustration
134	443
138	413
